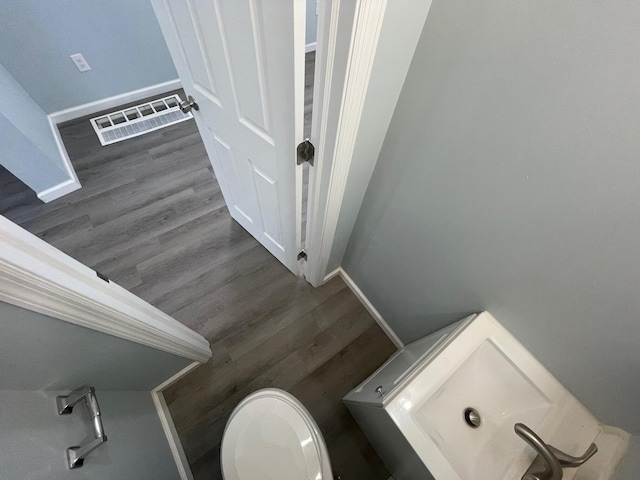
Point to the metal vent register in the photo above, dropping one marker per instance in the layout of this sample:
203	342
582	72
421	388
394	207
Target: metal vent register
138	120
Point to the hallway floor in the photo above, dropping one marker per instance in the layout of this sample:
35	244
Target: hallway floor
151	217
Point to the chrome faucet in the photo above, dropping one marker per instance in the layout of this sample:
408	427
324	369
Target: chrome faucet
549	461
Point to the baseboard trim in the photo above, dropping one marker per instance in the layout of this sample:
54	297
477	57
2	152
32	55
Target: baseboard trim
68	166
67	186
368	306
59	190
331	275
114	101
310	47
184	470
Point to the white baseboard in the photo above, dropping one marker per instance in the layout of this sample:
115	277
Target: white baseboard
112	102
332	274
368	306
72	183
57	191
184	470
310	47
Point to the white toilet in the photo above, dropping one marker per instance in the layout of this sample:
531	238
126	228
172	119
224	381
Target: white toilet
271	436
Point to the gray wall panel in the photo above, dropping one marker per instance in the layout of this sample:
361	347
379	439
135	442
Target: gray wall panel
509	181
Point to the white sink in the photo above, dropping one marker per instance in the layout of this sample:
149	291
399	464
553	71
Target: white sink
490	384
483	367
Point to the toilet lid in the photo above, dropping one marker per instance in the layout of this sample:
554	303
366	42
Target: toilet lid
269	438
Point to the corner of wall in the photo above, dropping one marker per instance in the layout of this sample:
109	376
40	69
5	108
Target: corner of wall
69	185
59	190
359	294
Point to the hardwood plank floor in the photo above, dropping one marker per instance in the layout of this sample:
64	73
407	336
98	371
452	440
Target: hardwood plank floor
150	215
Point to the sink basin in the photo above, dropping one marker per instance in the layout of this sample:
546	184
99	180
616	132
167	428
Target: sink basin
502	395
458	409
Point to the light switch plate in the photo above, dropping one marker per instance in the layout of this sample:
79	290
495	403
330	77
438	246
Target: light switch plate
80	62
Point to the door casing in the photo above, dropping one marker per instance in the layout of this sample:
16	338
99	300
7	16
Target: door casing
364	50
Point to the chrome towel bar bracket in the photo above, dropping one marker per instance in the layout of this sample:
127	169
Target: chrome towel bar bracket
77	454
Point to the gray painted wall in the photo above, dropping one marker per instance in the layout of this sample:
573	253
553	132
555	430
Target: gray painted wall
29	150
27	162
509	181
34	438
41	357
120	39
21	110
38	352
312	22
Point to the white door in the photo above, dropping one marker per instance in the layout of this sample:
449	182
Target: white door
243	63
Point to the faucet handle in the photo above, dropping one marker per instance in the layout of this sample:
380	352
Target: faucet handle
549	462
567	460
546	466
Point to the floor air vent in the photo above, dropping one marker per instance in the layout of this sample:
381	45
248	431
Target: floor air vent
134	121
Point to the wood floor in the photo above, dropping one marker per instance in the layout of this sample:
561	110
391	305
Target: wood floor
150	216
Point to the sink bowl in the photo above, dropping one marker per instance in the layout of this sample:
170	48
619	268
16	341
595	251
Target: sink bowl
489	384
457	410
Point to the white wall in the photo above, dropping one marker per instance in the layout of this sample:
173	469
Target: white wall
34	438
509	181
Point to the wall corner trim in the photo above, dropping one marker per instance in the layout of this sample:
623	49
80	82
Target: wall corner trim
37	276
331	274
184	470
368	306
69	185
59	190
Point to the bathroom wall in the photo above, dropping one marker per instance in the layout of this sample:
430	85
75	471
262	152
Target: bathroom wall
120	39
38	352
42	357
34	438
509	181
312	23
22	158
29	150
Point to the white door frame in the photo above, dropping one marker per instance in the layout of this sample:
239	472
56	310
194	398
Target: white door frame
353	104
39	277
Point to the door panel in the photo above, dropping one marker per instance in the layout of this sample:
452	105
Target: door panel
190	39
230	177
268	197
243	61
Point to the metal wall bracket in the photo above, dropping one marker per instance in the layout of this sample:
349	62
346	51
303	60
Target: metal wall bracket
77	454
306	152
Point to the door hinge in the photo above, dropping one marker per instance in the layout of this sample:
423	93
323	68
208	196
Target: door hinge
306	152
302	255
